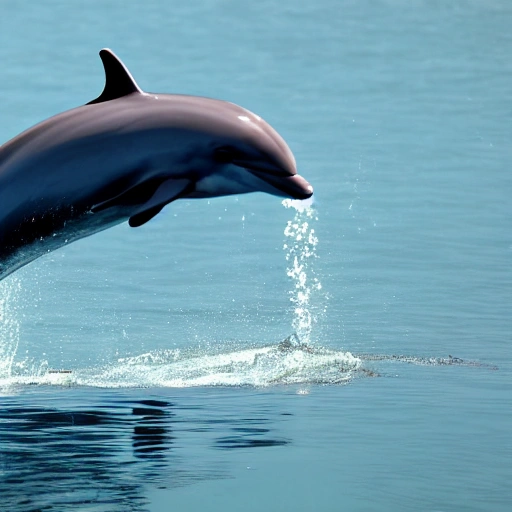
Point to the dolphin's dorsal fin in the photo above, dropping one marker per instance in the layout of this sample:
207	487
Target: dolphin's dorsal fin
118	80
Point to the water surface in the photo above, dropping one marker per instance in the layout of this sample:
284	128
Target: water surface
245	355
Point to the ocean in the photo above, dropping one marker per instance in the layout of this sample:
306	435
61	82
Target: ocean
249	353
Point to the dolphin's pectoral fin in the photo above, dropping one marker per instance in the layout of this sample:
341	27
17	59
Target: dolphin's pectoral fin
168	191
141	218
118	80
132	196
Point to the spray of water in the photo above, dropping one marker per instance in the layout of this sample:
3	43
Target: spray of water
300	248
10	289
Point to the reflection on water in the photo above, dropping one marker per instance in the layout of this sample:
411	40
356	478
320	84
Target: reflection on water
249	438
56	457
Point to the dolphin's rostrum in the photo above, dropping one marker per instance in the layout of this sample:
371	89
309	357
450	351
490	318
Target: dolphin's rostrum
124	156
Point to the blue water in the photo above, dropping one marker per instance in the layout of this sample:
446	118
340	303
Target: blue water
244	354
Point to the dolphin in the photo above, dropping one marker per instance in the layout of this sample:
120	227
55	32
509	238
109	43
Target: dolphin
124	156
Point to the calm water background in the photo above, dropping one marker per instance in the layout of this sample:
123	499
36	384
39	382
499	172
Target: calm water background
180	397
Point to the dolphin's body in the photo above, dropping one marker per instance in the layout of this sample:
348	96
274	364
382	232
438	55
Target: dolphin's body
124	156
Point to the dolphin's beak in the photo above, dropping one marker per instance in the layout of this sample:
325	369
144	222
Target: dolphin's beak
294	186
280	174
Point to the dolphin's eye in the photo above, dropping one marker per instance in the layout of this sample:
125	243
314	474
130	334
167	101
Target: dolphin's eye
224	155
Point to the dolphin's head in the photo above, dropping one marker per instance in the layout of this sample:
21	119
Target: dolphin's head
261	151
248	155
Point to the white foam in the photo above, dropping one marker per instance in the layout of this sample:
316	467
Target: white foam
259	367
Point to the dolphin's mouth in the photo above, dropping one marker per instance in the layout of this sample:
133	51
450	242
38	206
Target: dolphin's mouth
282	179
262	167
294	186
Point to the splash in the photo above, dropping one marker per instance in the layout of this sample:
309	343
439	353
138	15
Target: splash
300	253
272	365
9	324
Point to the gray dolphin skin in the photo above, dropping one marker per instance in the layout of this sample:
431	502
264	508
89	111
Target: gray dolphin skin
124	156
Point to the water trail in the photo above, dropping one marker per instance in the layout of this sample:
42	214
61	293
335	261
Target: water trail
300	255
272	365
9	324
